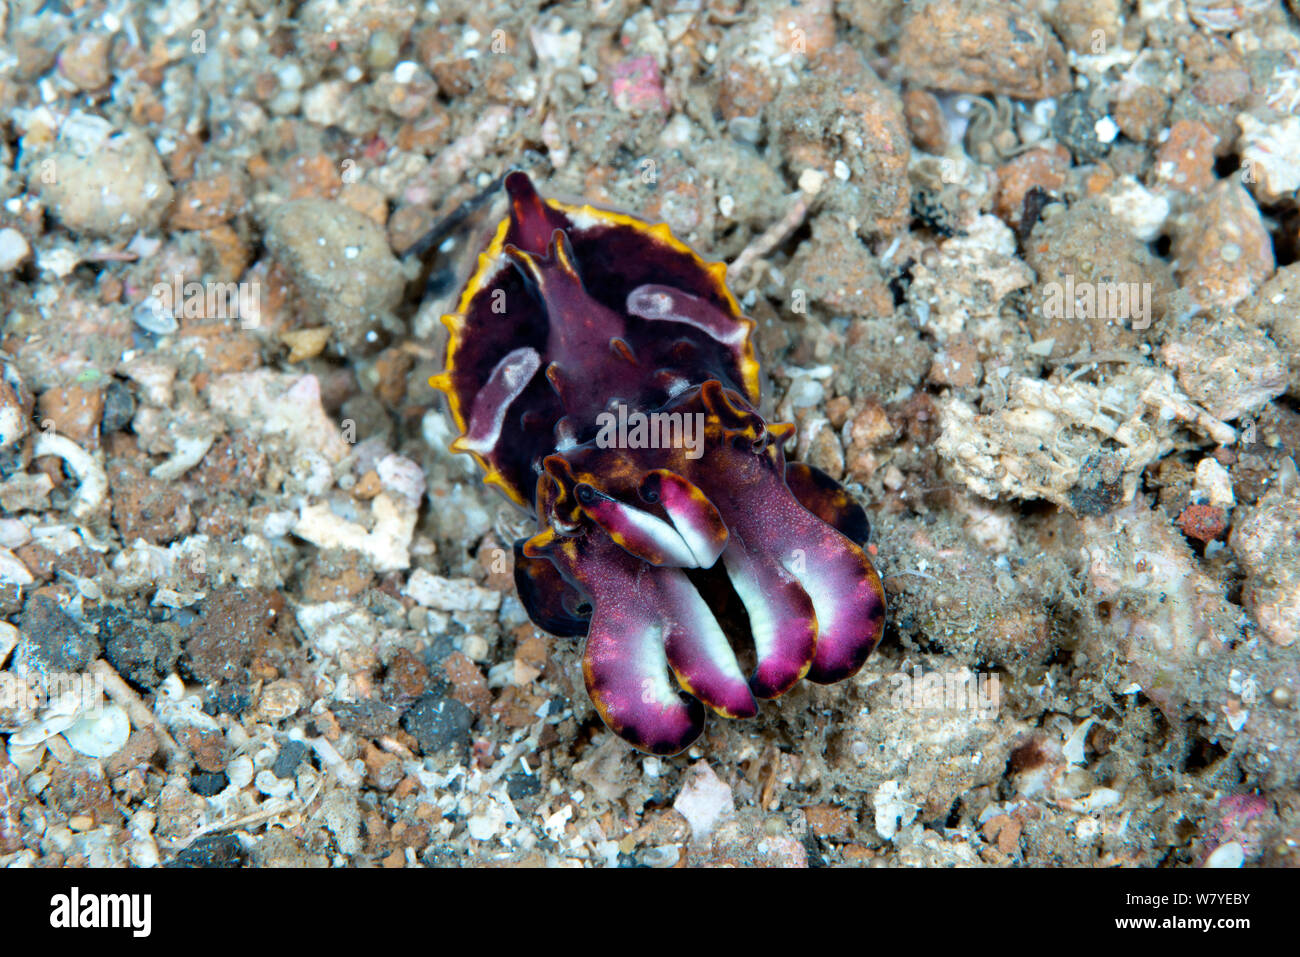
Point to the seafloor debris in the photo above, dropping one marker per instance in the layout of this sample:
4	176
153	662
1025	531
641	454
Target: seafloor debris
1079	445
1266	540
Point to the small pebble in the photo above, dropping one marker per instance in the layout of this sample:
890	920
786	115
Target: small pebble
206	784
100	734
1227	856
119	407
152	316
14	249
438	723
290	757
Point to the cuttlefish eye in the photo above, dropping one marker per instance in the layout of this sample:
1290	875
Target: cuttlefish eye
650	489
586	494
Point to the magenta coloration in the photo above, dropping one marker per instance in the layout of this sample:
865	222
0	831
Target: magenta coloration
602	374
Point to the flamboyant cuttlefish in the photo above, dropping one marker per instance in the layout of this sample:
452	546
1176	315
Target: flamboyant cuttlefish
602	373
